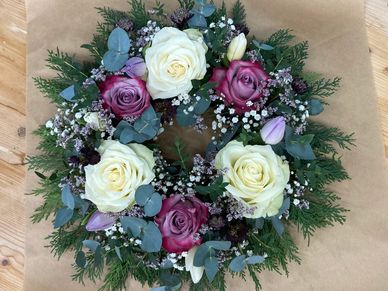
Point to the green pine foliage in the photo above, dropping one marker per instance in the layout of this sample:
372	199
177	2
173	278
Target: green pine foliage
186	4
238	13
138	13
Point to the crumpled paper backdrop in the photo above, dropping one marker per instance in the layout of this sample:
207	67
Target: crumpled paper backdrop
348	257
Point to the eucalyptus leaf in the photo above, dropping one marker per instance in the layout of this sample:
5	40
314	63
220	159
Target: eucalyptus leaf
152	238
69	93
143	194
63	216
127	135
238	264
253	260
219	245
67	197
198	20
91	244
184	118
207	10
201	105
211	268
80	259
201	254
277	224
114	61
153	205
299	146
134	224
316	107
119	40
285	206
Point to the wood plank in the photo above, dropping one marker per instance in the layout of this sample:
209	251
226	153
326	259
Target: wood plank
12	111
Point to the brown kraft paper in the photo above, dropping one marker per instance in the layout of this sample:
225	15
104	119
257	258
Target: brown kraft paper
348	257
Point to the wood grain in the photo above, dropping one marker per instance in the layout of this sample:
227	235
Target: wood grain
13	117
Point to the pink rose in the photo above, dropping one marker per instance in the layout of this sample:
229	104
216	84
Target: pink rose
126	97
242	82
179	221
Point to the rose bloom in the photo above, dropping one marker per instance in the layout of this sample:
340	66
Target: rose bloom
124	96
256	176
239	84
179	221
174	59
111	184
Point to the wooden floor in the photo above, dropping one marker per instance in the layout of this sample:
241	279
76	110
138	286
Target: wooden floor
13	116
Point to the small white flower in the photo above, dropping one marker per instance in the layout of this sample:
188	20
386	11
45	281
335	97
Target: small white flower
49	124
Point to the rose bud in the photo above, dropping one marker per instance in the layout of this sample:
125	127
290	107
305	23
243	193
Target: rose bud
179	221
135	67
273	131
100	221
237	47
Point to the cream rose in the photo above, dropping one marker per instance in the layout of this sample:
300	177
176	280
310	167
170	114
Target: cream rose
256	176
174	59
111	184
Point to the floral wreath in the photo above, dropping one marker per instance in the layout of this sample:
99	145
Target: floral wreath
118	202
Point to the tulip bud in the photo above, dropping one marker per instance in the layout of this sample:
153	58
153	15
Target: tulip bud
100	221
135	67
195	272
273	131
237	47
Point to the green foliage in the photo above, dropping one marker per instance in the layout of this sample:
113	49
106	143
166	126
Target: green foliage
214	189
179	149
281	250
138	13
319	215
280	38
326	137
324	87
238	13
186	4
67	68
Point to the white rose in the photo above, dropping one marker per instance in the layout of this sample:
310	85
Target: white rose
256	176
93	120
111	184
237	47
174	59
